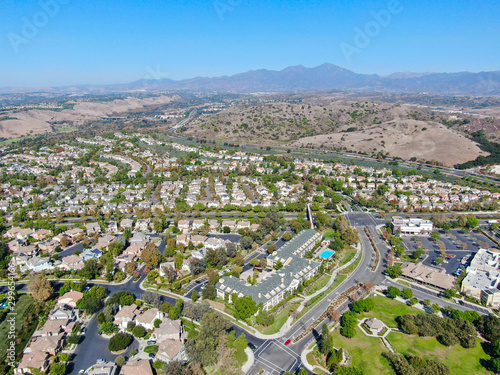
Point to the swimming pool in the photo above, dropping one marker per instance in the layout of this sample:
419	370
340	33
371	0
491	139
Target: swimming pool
327	254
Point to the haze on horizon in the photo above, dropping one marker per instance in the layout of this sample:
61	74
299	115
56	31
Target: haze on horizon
63	42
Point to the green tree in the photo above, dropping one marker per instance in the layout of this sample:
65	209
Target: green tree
472	222
209	292
195	296
57	369
246	242
40	287
98	291
348	324
325	346
394	271
244	307
393	292
151	256
450	293
417	254
139	331
287	236
271	249
120	361
119	342
265	318
407	293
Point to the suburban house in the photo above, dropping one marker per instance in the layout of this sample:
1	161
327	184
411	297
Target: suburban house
108	368
170	337
62	312
184	226
91	254
171	350
213	226
231	224
243	224
41	234
70	298
169	330
72	262
137	367
92	228
214	243
148	317
277	284
33	359
37	264
125	315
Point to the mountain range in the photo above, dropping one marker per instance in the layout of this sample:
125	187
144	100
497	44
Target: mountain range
299	78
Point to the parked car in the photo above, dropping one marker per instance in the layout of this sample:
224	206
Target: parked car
152	355
151	342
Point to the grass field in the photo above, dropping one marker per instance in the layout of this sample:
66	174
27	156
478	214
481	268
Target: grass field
329	233
23	307
349	254
387	310
366	352
458	359
279	320
318	284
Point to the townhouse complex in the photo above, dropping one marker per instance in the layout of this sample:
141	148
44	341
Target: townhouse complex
277	283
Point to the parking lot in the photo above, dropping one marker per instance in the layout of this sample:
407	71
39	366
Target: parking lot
456	243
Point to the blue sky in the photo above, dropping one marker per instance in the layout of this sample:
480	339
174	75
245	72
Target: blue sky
101	42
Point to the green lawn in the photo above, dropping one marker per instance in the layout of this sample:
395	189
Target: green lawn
349	254
329	233
387	310
338	280
318	284
151	349
23	307
279	320
366	352
458	359
352	267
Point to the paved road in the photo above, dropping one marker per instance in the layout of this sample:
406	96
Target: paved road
70	250
95	346
272	356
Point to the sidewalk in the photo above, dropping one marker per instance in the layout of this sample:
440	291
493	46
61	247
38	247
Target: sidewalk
249	363
288	324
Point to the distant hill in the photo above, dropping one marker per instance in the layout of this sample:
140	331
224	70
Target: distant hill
299	78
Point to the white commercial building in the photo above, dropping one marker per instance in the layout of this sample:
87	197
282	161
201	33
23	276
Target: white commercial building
411	227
